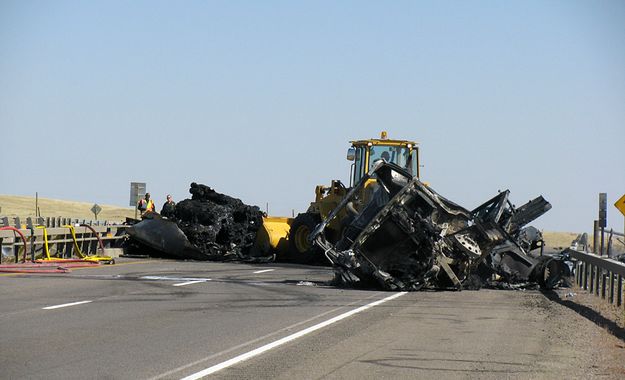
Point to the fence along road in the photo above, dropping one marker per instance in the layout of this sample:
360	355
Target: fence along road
89	237
600	276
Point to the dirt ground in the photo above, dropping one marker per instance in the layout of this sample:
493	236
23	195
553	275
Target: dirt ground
576	314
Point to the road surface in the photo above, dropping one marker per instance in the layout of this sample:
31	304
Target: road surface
160	319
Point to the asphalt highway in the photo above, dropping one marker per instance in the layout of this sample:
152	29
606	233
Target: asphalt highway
160	319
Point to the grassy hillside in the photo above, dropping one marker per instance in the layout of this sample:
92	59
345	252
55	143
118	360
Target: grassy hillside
14	205
560	239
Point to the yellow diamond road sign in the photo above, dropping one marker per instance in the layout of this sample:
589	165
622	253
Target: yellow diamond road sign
620	204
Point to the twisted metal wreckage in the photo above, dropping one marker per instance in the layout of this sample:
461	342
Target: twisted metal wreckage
408	237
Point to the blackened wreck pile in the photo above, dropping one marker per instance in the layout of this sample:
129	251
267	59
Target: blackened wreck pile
407	237
220	226
209	226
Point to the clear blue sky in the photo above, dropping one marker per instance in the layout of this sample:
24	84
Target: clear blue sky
259	99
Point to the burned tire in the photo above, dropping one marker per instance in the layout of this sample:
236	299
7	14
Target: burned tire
300	249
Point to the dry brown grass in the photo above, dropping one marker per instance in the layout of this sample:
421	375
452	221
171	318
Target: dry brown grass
23	207
560	239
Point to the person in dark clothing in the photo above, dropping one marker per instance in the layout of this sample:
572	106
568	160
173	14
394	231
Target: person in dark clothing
169	207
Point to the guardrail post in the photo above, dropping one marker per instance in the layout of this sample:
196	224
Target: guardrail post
32	245
603	285
619	291
592	278
82	244
93	246
16	252
597	275
611	297
67	246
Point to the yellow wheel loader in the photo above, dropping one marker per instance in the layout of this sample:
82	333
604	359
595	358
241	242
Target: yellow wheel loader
289	236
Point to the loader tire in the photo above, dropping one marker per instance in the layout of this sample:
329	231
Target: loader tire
300	249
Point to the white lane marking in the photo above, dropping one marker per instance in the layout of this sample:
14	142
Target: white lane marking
65	305
166	278
279	342
168	374
190	282
264	271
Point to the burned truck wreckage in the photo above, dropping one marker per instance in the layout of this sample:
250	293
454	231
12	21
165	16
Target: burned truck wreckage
408	237
209	226
398	234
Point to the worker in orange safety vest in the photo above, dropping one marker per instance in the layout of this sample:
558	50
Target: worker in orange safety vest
146	205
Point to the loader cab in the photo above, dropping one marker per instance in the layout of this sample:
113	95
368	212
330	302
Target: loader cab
365	152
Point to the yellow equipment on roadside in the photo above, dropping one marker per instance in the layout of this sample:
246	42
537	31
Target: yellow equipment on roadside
105	259
48	258
289	236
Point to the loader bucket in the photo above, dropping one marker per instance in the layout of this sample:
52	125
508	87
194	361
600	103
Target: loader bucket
274	234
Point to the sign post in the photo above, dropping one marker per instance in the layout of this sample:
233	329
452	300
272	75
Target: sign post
95	209
137	191
603	217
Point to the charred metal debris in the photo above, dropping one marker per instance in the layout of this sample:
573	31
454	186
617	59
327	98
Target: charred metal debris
408	237
404	237
209	226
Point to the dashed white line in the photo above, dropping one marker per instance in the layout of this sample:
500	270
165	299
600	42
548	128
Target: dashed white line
264	271
167	278
191	282
65	305
279	342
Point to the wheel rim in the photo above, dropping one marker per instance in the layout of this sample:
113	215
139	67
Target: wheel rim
301	239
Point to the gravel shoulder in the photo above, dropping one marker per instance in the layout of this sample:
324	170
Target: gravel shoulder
591	326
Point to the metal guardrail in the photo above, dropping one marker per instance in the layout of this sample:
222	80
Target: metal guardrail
48	222
599	275
60	241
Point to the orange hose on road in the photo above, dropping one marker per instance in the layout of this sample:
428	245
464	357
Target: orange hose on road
32	268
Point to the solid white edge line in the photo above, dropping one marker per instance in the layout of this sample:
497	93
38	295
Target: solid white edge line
263	271
190	282
279	342
65	305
